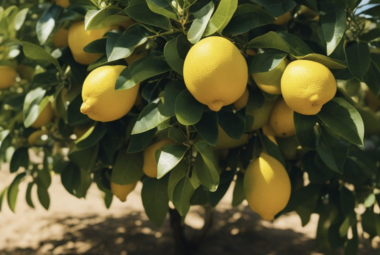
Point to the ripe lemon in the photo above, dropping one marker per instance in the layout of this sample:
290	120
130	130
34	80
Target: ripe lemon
150	162
242	101
215	72
226	142
281	120
101	102
60	38
46	114
266	186
63	3
270	82
307	85
122	191
8	77
79	38
283	19
372	100
261	115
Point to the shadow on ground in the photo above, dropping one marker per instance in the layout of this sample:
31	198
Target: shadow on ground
233	232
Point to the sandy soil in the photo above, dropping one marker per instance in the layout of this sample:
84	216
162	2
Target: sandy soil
85	226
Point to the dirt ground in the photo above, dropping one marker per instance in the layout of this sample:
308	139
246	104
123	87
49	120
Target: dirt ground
85	226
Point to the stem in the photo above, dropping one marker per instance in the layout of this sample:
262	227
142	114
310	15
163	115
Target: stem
181	243
206	227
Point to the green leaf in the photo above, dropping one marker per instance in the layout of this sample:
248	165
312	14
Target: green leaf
272	149
206	166
372	79
182	194
74	116
172	90
225	181
199	24
149	118
304	125
371	35
221	17
31	105
282	41
316	174
232	123
358	59
155	199
333	23
91	138
85	158
46	23
324	60
170	156
177	135
75	180
175	53
373	11
13	191
38	54
127	168
301	196
277	7
97	46
20	158
238	194
138	142
4	191
187	109
370	200
266	61
133	37
99	19
20	18
347	201
312	4
162	7
247	17
207	127
176	175
28	194
343	119
352	245
139	10
141	70
43	196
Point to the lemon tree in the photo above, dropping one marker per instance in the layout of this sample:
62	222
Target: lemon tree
277	100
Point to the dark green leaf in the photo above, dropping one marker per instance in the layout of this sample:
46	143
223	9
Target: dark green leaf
19	158
206	166
38	54
359	59
127	168
170	156
97	46
163	8
149	118
138	142
266	61
232	123
177	135
272	149
372	79
182	194
172	90
347	201
277	7
187	109
343	119
238	194
75	180
221	17
372	34
43	196
216	196
305	128
74	116
175	52
199	25
329	62
301	196
176	175
47	22
155	199
207	127
31	105
93	138
84	158
28	194
13	191
352	245
141	70
2	195
106	17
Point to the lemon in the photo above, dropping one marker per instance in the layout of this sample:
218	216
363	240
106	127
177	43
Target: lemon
372	100
266	186
35	137
79	131
242	101
268	131
215	72
307	85
371	122
283	19
101	102
150	162
281	120
260	115
8	76
63	3
122	191
45	115
309	13
60	38
78	38
226	142
25	71
288	147
270	82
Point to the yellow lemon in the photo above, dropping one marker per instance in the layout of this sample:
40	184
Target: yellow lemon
78	38
44	117
226	142
266	186
121	191
242	101
283	19
261	115
63	3
101	102
307	85
215	72
60	38
372	100
270	82
150	163
8	77
281	120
